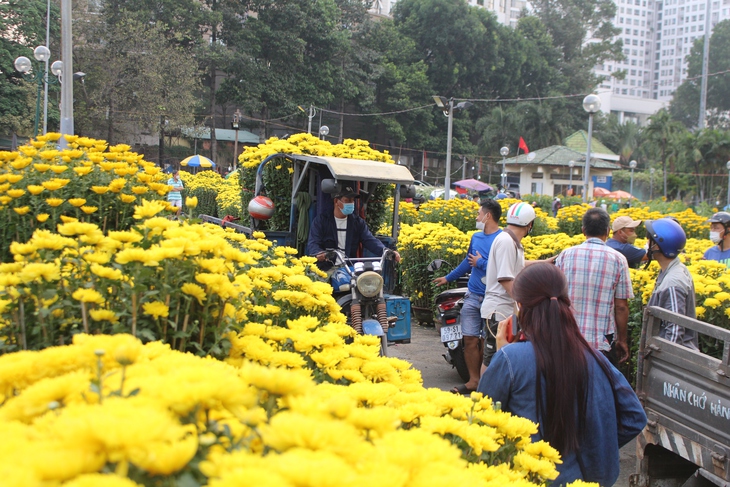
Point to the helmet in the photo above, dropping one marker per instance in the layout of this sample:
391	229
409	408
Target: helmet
520	214
721	217
668	235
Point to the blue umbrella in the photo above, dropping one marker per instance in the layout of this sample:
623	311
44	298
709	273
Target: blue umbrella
197	161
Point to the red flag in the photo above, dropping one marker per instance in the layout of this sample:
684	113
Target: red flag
523	146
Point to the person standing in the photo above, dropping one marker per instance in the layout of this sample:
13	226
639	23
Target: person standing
174	197
472	325
720	236
583	406
674	289
599	286
624	236
556	206
506	260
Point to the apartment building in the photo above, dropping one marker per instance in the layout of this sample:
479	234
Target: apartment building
507	11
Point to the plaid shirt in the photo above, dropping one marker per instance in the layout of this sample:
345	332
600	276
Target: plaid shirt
596	275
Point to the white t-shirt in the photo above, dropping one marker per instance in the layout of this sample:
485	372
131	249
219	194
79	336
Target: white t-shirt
506	260
341	232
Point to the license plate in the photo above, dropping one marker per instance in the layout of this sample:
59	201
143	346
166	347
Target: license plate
450	333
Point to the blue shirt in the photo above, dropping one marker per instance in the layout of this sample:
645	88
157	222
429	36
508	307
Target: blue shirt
714	253
633	254
510	379
482	243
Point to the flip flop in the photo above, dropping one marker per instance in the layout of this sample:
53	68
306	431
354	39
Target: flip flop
461	389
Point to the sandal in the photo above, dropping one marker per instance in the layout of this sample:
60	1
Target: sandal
461	389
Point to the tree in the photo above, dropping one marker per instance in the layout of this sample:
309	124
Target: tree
686	101
583	32
22	27
704	153
138	79
400	82
287	55
622	138
662	132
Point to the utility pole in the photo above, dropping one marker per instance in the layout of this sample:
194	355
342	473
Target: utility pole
705	67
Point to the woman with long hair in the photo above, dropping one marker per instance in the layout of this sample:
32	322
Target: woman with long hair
584	407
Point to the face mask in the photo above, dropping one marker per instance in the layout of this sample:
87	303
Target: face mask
631	239
348	208
715	237
480	225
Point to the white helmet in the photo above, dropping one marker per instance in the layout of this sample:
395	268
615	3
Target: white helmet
520	214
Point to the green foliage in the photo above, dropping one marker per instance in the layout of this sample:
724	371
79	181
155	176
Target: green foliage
206	201
22	27
686	101
136	76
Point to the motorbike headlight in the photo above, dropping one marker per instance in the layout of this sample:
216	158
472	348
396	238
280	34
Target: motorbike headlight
369	283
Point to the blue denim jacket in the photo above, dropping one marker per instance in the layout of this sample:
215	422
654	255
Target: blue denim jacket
510	379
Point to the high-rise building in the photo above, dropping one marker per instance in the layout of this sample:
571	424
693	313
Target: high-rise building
507	11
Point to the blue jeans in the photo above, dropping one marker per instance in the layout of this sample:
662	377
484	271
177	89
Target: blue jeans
472	323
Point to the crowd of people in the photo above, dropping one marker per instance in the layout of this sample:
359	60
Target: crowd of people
544	338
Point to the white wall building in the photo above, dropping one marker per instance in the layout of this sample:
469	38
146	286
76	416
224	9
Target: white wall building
657	37
507	11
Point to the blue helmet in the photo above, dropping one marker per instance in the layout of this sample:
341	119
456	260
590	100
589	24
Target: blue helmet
668	235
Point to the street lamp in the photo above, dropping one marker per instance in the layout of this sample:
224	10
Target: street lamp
651	183
24	66
235	124
632	165
503	152
323	131
591	104
571	165
448	107
728	184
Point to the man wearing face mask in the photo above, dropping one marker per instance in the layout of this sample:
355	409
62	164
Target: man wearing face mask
343	230
720	235
472	325
624	235
506	260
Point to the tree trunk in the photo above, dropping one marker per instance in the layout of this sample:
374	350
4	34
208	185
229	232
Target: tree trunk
342	120
161	145
110	123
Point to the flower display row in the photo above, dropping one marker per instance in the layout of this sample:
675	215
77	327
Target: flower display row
110	411
186	284
279	390
42	185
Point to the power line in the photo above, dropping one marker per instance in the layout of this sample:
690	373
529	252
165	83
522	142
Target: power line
710	74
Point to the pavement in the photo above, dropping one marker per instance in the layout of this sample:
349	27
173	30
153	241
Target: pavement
426	351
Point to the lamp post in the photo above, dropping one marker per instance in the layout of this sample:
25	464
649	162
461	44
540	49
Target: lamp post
448	107
67	89
728	183
571	165
235	123
323	131
651	183
504	151
24	66
632	165
591	104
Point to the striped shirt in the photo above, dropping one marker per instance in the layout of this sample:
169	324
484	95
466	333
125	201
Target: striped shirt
596	275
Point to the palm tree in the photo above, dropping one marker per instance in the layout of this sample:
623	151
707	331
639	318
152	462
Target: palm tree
662	132
622	138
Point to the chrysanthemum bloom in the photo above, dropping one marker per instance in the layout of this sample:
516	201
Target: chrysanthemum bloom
156	309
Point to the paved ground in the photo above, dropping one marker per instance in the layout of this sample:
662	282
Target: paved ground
425	353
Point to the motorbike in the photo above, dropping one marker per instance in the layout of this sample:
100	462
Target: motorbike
449	303
358	287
